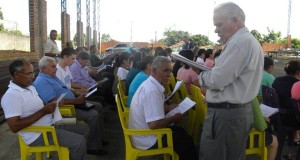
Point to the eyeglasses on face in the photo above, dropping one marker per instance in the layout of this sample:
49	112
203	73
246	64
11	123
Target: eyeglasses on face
29	73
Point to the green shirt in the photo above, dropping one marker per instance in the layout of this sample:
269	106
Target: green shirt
267	80
95	61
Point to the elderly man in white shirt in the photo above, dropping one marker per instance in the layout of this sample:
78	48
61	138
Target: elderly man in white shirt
231	85
23	107
147	111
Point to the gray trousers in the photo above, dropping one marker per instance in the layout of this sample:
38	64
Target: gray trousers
225	133
71	136
95	122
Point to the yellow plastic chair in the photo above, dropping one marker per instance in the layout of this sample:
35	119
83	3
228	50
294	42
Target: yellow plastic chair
67	110
26	151
257	148
132	153
201	110
123	97
172	80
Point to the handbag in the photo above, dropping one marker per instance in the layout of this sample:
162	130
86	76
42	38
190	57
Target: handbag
259	121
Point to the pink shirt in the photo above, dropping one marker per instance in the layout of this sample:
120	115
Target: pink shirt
188	76
296	91
209	63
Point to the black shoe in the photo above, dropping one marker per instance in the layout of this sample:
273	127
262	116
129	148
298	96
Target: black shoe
105	143
99	152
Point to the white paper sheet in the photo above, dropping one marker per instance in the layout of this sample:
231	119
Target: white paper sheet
189	62
103	66
185	105
177	86
267	111
56	114
91	92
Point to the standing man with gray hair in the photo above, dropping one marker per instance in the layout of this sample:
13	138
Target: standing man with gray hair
231	85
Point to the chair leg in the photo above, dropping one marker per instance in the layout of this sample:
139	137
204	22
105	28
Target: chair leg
24	155
63	153
39	155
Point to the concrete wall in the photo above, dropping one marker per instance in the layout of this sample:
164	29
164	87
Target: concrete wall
13	42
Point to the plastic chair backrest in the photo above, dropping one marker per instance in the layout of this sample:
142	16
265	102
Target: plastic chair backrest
123	97
26	151
67	110
257	147
270	97
201	110
132	153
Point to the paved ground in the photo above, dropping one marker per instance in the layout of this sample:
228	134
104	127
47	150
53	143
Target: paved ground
9	146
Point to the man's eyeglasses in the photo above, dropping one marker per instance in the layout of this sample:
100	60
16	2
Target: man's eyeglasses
29	73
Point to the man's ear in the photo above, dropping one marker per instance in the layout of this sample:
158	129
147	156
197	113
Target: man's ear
235	19
149	65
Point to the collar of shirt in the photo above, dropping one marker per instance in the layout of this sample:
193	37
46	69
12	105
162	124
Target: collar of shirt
77	63
157	84
53	41
18	88
237	33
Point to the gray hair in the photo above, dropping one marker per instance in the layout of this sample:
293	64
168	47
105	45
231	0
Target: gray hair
158	61
231	9
16	65
44	61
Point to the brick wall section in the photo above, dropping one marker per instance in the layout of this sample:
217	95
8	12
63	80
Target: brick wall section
6	55
88	37
95	37
79	34
65	29
37	25
43	25
273	46
33	24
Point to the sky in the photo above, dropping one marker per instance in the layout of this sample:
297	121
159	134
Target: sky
139	20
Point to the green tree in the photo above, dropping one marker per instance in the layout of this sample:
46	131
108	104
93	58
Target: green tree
257	35
200	40
295	43
16	32
172	37
75	40
105	37
58	36
1	18
272	36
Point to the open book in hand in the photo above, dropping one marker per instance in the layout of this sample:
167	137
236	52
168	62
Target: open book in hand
267	111
177	86
180	58
185	105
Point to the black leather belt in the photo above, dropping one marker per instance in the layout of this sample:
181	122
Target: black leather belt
225	105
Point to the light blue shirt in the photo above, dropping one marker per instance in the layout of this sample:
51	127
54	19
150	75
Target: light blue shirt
136	82
50	87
